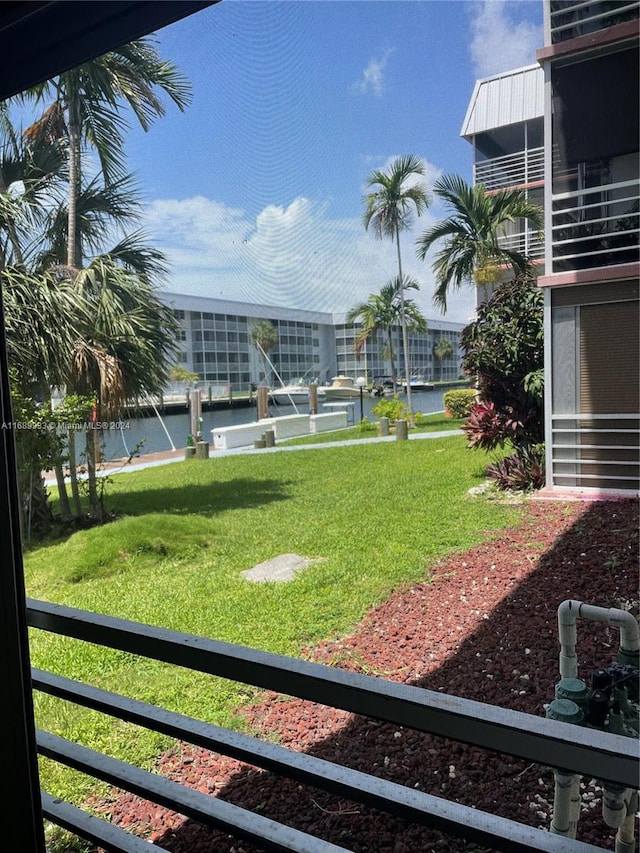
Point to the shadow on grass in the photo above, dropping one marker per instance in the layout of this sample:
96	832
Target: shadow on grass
508	658
198	499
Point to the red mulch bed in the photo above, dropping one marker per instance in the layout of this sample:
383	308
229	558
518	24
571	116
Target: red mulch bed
483	628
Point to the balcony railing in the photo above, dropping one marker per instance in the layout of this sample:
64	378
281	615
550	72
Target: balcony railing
528	243
596	451
597	226
511	170
608	757
573	18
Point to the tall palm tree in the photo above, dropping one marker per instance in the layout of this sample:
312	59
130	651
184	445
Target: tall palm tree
264	337
100	331
87	110
126	337
384	311
390	208
470	236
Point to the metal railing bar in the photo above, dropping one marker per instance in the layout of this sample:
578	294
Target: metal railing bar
187	801
600	755
435	812
601	235
581	460
561	258
531	153
613	218
590	190
591	18
592	416
572	7
608	202
90	827
579	476
582	430
595	447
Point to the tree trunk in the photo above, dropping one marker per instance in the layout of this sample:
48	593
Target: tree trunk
405	337
11	228
95	505
65	509
74	186
38	512
73	475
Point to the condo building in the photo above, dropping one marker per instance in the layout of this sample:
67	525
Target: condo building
592	269
215	342
566	132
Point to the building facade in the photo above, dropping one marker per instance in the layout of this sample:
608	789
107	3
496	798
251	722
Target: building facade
566	132
592	193
505	125
214	342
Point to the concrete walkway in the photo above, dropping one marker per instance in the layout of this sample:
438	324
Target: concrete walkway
153	460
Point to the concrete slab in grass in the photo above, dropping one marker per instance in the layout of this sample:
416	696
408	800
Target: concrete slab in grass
281	569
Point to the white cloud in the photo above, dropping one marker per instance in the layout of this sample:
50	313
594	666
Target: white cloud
499	42
372	79
296	256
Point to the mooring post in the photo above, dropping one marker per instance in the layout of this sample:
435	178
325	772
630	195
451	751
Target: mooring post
263	402
313	399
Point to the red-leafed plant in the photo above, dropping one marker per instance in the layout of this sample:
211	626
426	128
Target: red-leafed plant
503	350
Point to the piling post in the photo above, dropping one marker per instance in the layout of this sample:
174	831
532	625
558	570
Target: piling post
269	438
401	430
313	399
383	426
263	402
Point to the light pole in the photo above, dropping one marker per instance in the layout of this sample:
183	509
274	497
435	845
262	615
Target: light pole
360	383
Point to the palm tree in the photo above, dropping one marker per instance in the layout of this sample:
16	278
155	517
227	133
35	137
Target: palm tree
99	331
264	337
385	310
389	208
443	348
125	340
470	236
87	110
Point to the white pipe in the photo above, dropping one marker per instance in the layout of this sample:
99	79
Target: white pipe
571	610
561	823
576	802
625	836
614	809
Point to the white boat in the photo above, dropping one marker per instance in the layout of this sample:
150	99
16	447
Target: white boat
341	388
288	394
418	383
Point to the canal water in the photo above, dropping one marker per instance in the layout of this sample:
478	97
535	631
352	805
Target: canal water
155	434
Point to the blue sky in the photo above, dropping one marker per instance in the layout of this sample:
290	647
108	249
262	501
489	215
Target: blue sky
255	192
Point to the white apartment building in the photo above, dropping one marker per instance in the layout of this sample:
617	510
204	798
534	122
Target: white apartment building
215	343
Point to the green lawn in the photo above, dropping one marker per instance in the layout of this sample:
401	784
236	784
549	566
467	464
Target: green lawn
375	515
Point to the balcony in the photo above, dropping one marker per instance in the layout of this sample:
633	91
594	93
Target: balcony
573	18
511	170
596	227
528	243
598	754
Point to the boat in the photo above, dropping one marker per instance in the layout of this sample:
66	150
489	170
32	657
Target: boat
341	388
288	395
417	383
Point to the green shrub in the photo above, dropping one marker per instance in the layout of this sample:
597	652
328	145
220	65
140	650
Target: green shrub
393	409
458	403
366	426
